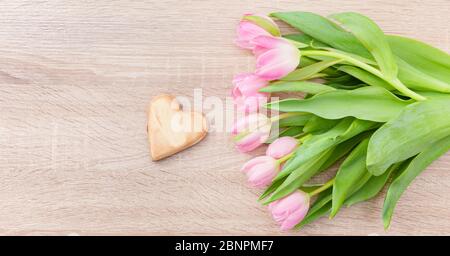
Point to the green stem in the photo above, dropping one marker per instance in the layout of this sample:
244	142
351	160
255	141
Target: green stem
397	84
322	188
285	158
299	137
305	137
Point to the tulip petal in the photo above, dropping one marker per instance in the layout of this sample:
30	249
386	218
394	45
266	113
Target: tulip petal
276	57
246	31
268	42
290	210
246	95
249	122
253	162
281	147
249	143
261	174
294	218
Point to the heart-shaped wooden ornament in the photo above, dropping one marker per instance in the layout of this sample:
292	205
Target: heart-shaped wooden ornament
170	130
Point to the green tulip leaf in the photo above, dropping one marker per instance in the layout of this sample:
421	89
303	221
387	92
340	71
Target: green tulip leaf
308	188
271	189
418	80
297	120
347	87
366	77
299	176
314	152
309	218
331	71
423	57
297	86
373	38
419	66
305	39
366	103
354	56
306	61
316	144
309	71
342	80
323	30
343	149
317	124
373	186
418	125
352	171
414	168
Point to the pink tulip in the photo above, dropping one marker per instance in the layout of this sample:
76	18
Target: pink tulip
276	57
281	147
249	123
246	93
260	171
290	210
248	29
251	132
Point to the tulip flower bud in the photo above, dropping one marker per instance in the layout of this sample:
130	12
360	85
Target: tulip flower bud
252	131
276	57
246	93
281	147
260	171
252	26
290	210
264	22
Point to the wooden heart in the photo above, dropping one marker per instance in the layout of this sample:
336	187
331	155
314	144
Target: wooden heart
170	130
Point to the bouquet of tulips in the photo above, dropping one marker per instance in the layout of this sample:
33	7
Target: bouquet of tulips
377	104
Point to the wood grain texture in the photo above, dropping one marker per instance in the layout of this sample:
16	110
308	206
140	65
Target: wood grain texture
75	81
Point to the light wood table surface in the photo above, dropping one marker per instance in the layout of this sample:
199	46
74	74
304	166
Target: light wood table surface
75	81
